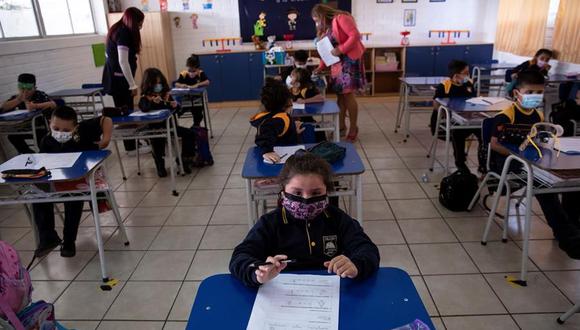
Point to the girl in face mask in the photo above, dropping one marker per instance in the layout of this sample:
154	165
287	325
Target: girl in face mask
540	63
304	232
155	96
302	87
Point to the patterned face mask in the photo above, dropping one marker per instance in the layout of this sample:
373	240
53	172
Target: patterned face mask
304	208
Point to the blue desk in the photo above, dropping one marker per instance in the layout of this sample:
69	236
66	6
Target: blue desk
561	78
85	168
459	114
24	123
190	93
88	93
419	91
386	300
135	128
322	109
536	170
255	168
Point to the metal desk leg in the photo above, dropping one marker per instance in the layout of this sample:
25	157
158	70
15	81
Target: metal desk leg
527	224
400	108
118	218
138	157
447	139
433	149
407	116
250	203
359	198
120	161
336	128
170	148
177	151
97	222
206	110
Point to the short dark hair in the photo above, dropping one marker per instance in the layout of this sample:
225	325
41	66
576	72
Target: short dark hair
456	66
192	61
306	163
301	56
275	95
544	51
150	77
27	78
530	77
65	113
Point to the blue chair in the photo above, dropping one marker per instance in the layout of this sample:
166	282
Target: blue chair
491	179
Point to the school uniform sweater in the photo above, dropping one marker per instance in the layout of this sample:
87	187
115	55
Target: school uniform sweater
311	243
448	89
274	129
185	78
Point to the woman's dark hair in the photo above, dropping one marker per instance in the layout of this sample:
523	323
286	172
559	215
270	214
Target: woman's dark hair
132	20
275	95
305	163
192	61
65	113
530	77
301	56
150	78
456	66
304	77
544	51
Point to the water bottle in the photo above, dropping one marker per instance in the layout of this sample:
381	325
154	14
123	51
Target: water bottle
424	178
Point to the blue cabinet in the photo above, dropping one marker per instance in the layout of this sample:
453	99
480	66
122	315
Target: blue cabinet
234	77
433	60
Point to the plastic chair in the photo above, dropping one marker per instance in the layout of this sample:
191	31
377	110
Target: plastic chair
568	314
491	179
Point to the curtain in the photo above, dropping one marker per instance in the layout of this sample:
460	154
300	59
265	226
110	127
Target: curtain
566	38
521	26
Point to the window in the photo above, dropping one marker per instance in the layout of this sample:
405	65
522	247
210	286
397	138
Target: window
32	18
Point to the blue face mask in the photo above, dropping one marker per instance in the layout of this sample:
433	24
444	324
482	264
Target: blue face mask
465	79
157	88
531	101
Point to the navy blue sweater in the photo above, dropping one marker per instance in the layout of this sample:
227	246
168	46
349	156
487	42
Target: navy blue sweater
311	243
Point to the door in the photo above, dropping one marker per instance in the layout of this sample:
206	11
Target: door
210	64
419	61
256	75
235	76
444	55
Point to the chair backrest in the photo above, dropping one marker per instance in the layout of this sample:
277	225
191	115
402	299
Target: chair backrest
92	86
59	102
487	129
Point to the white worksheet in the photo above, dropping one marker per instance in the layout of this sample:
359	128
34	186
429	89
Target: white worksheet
36	161
297	302
569	145
285	153
485	100
149	113
13	113
324	47
298	106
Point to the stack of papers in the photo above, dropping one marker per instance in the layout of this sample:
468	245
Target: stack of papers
298	106
285	153
485	100
324	47
294	301
13	113
48	161
145	114
569	145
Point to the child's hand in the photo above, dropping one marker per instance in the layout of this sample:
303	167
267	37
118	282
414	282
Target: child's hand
267	272
342	266
102	144
336	52
300	101
134	92
29	105
272	157
299	128
157	99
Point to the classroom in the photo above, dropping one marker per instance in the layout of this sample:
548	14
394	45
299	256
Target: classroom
289	164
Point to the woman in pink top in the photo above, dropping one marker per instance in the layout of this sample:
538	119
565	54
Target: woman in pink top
348	75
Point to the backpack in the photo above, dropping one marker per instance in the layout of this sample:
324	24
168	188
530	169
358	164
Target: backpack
15	285
331	152
39	315
457	190
203	156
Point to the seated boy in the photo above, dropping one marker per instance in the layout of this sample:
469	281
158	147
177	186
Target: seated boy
29	98
67	136
458	85
562	216
193	77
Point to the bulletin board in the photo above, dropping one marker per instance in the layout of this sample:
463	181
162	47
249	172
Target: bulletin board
282	17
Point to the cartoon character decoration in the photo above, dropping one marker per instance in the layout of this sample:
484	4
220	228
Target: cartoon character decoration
163	5
405	38
145	5
271	42
259	27
185	5
177	22
270	57
194	18
292	17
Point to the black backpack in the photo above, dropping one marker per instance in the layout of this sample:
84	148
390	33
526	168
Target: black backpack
457	190
329	151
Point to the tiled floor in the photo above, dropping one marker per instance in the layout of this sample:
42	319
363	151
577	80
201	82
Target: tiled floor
178	241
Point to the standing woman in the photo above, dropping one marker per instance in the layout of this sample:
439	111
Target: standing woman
348	75
123	45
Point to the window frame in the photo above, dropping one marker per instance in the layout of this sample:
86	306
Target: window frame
42	30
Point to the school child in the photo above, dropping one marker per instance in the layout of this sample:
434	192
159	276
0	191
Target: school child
67	136
155	96
538	63
30	98
300	60
305	230
458	85
562	216
302	87
274	125
193	77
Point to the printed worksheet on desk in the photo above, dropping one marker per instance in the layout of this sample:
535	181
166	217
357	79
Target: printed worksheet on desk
297	302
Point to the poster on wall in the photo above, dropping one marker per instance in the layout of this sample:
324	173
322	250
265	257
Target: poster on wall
286	19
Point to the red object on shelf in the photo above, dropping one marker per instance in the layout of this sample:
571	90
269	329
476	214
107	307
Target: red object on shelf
405	39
